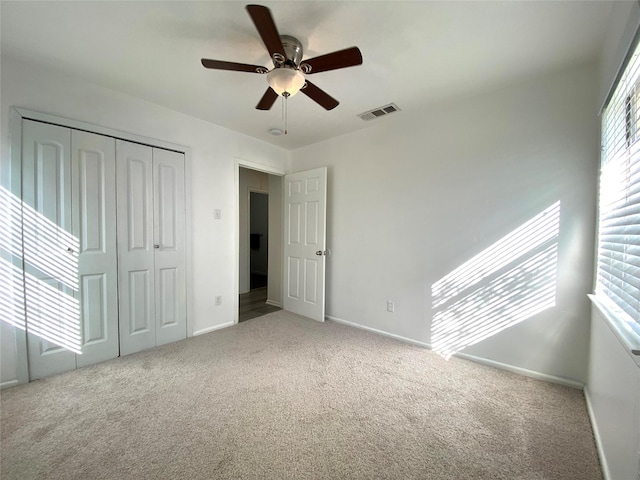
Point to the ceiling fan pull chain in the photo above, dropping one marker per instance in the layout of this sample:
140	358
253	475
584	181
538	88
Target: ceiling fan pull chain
285	114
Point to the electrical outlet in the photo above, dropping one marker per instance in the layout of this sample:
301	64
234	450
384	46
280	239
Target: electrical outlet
219	300
391	306
217	214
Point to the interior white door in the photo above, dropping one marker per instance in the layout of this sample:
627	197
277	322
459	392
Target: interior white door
136	273
50	250
93	162
169	242
304	244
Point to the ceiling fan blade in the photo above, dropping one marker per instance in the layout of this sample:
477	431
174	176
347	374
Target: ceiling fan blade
237	67
267	100
266	27
349	57
320	96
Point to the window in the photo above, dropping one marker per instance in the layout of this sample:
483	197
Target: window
618	270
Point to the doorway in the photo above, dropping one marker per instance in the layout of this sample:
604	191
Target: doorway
260	242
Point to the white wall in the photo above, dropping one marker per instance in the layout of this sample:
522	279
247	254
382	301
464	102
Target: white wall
417	195
613	392
212	177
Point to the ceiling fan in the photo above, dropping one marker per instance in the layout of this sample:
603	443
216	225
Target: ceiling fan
288	74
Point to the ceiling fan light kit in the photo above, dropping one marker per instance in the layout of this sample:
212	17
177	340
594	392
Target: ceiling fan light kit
285	81
288	74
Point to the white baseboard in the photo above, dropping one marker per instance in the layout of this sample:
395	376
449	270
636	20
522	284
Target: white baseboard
9	383
523	371
484	361
273	303
596	435
212	329
379	332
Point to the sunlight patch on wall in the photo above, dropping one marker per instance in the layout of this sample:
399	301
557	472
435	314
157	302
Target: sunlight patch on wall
40	299
512	280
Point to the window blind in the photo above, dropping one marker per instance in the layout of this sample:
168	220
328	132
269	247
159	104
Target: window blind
618	270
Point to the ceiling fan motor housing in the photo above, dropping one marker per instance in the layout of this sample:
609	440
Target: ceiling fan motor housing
292	49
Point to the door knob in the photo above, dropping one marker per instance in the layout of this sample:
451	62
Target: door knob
156	246
319	252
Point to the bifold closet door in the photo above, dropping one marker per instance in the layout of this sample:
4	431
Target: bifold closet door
50	258
151	246
136	275
86	300
169	225
69	248
94	225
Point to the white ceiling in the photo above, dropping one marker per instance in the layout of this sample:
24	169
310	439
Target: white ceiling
415	53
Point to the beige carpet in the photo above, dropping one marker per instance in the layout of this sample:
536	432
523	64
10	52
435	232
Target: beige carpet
282	397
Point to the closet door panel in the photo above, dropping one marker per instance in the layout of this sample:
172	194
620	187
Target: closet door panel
136	274
140	299
94	317
169	214
50	250
168	308
94	213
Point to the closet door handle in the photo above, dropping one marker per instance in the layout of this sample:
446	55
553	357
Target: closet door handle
156	246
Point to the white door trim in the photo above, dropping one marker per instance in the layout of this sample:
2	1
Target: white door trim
100	130
241	162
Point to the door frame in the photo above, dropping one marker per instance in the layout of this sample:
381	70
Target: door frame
12	180
238	163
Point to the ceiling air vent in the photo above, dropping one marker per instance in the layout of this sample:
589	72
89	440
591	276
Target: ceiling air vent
379	112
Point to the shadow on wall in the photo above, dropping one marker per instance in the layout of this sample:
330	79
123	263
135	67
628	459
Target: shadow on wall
50	256
509	282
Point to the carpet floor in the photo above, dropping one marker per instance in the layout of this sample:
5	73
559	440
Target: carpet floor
283	397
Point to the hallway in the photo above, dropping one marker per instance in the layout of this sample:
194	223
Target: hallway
252	304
